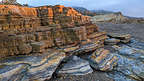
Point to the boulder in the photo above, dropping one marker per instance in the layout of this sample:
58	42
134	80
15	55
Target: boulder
103	60
124	38
45	70
75	66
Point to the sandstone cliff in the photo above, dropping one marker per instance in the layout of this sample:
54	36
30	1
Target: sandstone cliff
60	15
30	30
34	41
18	19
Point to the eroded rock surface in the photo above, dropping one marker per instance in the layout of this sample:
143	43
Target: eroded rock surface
130	63
17	19
112	41
103	60
76	66
32	67
124	38
34	41
25	30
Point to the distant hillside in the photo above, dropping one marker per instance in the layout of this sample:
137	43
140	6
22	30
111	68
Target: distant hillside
84	11
108	16
116	18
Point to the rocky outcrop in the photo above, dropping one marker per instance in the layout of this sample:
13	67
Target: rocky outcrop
59	15
23	19
124	38
46	37
131	62
18	19
30	68
103	60
34	41
32	30
76	66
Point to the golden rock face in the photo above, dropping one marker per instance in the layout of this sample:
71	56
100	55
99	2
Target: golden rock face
19	18
46	27
18	11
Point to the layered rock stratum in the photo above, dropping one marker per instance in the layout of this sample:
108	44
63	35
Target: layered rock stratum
34	41
41	42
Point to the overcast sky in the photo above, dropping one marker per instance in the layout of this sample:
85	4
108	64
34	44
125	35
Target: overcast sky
133	8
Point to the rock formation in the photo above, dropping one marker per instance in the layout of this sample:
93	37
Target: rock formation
112	41
131	62
124	38
30	68
34	41
103	60
76	66
44	27
18	18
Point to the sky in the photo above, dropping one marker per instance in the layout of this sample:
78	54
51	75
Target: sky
134	8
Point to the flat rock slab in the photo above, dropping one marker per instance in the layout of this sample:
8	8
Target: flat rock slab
88	48
130	52
76	66
124	38
112	41
103	60
12	72
130	65
120	36
39	66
